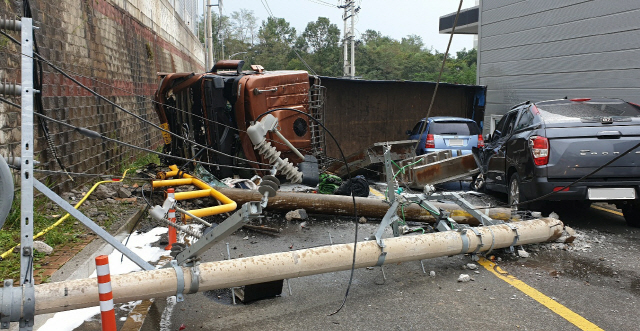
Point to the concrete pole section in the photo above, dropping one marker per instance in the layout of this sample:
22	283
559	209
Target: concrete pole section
343	205
74	294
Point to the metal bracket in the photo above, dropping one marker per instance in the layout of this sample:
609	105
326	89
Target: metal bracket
381	258
248	211
180	279
28	306
515	238
465	241
195	278
389	218
481	244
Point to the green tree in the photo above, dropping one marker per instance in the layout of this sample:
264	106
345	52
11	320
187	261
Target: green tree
276	36
320	44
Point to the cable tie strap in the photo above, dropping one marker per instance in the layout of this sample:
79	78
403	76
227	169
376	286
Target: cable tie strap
180	279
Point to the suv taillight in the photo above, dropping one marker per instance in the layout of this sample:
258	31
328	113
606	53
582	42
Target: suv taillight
430	142
480	141
540	149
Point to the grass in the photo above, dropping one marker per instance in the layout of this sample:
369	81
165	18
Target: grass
141	161
10	235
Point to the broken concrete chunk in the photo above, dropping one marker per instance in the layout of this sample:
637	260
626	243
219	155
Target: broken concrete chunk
42	247
523	253
124	193
571	232
362	220
298	214
472	266
463	278
432	273
102	192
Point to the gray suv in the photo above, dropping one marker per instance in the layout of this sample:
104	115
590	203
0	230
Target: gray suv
539	148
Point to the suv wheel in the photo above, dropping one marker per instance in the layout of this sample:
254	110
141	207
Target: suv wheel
631	214
515	195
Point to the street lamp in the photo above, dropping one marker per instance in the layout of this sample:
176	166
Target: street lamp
234	54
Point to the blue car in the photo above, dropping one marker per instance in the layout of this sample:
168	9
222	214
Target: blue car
442	133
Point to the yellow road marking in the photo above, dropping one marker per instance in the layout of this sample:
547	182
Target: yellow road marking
607	210
553	305
376	193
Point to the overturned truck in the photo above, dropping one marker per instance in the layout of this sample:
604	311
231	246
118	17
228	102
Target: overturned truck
215	109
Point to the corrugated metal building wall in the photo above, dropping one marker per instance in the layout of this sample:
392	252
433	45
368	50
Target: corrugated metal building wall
548	49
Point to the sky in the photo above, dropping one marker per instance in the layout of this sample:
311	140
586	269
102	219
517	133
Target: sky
395	19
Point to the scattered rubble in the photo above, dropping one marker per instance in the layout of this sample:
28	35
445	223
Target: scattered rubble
124	193
463	278
522	253
362	220
298	214
42	247
471	266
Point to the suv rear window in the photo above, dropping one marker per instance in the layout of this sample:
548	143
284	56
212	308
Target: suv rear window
454	128
588	110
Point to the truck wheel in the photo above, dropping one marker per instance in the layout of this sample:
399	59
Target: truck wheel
631	214
515	193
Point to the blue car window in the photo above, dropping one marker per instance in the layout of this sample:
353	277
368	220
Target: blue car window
454	128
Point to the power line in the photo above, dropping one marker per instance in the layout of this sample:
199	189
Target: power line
40	58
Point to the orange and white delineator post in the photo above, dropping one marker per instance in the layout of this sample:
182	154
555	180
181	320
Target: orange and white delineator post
173	234
107	312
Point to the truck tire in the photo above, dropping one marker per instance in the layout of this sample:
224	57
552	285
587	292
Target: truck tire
631	214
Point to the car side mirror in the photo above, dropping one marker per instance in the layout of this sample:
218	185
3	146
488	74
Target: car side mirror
408	132
496	134
487	137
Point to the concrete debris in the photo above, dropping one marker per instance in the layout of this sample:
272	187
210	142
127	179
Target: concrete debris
124	193
570	231
246	238
554	215
432	273
298	214
102	192
463	278
362	220
536	214
472	266
42	247
522	253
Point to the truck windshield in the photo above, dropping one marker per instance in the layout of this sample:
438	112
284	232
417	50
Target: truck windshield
454	128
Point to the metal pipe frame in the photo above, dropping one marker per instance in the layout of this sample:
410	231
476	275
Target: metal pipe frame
227	205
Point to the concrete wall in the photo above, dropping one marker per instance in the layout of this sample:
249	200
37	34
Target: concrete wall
549	49
116	48
359	112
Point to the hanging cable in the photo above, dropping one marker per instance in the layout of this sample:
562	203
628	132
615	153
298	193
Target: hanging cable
444	61
62	72
95	135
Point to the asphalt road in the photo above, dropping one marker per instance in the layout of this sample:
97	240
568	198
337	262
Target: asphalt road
593	283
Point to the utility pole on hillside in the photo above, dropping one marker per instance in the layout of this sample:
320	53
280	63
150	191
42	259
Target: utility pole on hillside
209	32
349	65
220	36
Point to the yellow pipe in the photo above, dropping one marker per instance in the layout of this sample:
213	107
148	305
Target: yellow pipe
172	182
206	190
63	218
193	195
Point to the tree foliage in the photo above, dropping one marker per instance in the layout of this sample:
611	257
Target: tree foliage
276	45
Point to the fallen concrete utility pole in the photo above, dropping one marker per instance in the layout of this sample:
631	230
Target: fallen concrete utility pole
81	293
343	205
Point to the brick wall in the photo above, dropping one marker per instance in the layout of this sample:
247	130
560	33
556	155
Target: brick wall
116	48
